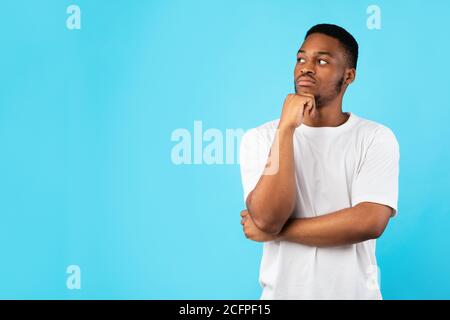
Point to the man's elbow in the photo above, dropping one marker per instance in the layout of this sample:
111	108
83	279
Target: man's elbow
375	219
376	229
269	227
270	223
269	217
374	233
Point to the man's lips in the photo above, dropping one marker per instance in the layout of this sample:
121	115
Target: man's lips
305	82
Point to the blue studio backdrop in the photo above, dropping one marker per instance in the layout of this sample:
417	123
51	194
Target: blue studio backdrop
98	97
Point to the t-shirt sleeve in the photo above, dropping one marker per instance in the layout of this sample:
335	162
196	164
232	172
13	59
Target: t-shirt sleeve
253	156
377	178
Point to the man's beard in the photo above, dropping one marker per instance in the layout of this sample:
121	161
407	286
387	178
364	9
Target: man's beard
321	100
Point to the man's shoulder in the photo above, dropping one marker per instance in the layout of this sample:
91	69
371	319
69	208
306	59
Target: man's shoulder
263	131
371	126
372	129
269	125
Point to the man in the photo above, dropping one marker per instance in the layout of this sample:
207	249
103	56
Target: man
320	185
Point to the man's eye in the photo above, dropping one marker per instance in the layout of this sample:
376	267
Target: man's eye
322	62
300	60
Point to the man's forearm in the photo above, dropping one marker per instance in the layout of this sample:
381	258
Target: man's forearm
273	200
346	226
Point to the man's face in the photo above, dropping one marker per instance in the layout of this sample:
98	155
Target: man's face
320	68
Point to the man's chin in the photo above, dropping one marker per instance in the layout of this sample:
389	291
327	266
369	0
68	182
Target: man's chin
309	90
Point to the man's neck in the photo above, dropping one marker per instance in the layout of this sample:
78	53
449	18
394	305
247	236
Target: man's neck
329	115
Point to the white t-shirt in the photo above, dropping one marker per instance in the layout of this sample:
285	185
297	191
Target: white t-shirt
336	168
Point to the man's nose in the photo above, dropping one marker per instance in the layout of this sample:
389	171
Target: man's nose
308	67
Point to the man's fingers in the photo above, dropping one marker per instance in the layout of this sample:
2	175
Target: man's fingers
306	94
244	215
308	107
309	95
312	110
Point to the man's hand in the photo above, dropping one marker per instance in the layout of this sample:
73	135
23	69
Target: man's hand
251	231
294	108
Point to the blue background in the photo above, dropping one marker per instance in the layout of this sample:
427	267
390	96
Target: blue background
86	118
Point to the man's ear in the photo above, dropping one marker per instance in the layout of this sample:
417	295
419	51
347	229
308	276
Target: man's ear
350	76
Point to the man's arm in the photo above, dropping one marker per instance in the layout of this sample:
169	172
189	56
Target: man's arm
365	221
272	201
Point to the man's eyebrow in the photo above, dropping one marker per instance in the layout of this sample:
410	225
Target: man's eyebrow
319	53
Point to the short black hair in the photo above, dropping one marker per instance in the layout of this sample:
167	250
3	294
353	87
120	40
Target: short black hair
345	38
